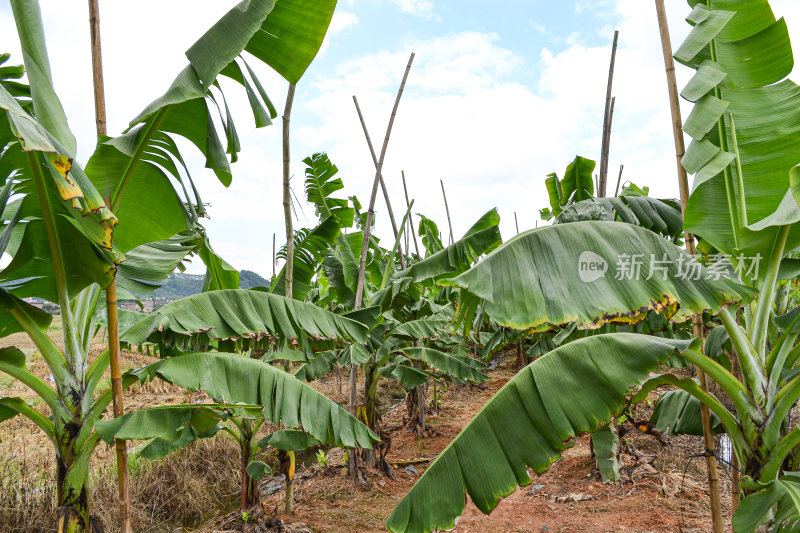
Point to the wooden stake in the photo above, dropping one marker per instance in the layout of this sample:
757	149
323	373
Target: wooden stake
603	181
619	180
516	222
273	254
362	266
697	321
447	210
383	184
410	218
287	198
111	291
601	192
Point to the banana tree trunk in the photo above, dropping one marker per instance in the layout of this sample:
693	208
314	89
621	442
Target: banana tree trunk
371	407
72	479
250	495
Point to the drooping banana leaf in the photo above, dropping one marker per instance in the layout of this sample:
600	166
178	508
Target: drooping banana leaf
235	379
605	442
678	413
480	239
169	426
429	328
247	315
316	368
289	440
458	367
586	272
148	266
573	390
662	216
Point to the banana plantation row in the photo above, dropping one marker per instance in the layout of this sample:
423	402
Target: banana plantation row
604	300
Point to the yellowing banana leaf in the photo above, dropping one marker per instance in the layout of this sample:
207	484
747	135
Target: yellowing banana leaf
591	273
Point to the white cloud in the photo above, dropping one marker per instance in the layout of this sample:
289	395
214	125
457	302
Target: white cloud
340	23
420	8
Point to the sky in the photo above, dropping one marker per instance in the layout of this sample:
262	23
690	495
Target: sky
500	95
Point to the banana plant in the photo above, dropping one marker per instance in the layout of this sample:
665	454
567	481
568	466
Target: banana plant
743	205
68	231
572	199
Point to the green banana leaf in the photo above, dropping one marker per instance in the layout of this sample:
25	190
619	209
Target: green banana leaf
310	250
83	223
289	440
541	279
744	79
235	379
243	314
661	216
605	442
9	324
779	504
678	413
169	426
428	231
573	390
317	367
320	184
578	184
480	239
459	367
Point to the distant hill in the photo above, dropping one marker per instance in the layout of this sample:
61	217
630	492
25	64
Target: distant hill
182	285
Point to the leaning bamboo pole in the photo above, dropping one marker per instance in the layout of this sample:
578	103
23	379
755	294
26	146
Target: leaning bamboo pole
601	192
382	183
362	265
447	210
619	180
697	321
410	218
111	291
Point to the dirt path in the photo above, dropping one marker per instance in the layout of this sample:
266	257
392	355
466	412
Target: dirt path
651	501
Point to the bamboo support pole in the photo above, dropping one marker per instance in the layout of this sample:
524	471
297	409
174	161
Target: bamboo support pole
382	183
410	217
619	180
111	291
287	196
607	122
362	265
697	322
447	210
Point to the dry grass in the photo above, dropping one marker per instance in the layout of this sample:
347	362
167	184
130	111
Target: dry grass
183	489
